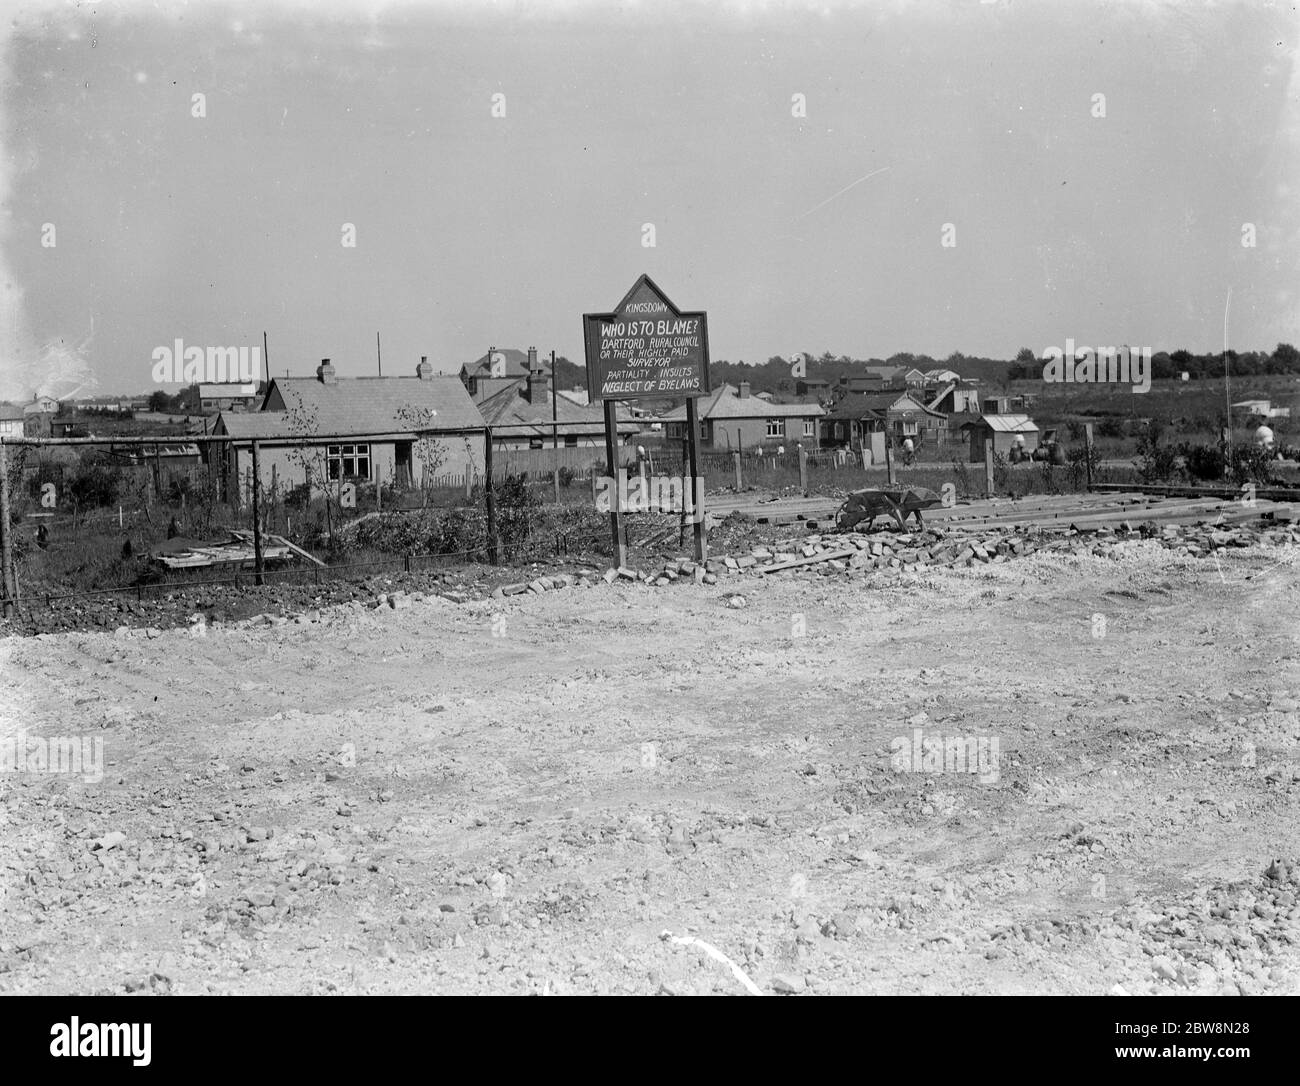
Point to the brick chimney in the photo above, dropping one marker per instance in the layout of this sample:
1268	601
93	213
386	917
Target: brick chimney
744	390
424	371
325	372
539	381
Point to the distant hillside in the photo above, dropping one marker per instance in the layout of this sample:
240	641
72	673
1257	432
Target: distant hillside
774	375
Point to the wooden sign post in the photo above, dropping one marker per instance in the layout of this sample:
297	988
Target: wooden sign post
693	488
1087	448
648	348
612	467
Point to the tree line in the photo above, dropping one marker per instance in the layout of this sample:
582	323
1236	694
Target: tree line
776	374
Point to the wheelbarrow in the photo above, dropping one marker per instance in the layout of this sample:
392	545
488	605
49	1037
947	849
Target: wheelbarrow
898	502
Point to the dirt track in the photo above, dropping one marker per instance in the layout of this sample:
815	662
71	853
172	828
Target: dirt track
521	795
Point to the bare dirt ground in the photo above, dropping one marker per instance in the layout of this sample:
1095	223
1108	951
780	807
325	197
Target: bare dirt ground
523	795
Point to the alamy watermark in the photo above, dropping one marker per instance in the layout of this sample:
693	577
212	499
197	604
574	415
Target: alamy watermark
77	755
946	754
179	364
650	494
1088	365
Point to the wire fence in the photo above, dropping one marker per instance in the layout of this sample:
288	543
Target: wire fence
106	516
538	548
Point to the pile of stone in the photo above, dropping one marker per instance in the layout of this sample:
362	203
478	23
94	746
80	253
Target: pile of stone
672	571
538	585
908	552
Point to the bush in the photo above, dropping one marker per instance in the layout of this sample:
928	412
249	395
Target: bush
178	487
299	497
1158	462
516	508
567	476
1110	427
46	472
961	469
1077	458
1251	464
1202	462
458	531
97	482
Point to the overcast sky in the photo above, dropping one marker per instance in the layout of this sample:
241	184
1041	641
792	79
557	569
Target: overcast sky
474	230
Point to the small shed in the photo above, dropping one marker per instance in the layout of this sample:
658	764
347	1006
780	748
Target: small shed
1004	430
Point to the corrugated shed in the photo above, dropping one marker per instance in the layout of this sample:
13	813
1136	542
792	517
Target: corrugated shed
1006	424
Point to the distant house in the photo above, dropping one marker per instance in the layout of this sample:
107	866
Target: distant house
941	377
876	381
1263	408
11	420
886	374
955	397
914	378
522	412
817	387
373	429
898	415
38	414
1004	431
730	418
228	396
501	367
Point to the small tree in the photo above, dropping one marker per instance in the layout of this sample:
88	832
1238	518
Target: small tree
1158	462
428	450
302	424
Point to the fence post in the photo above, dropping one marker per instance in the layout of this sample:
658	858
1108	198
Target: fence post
490	497
258	568
6	543
988	466
736	455
803	470
1087	446
687	489
889	461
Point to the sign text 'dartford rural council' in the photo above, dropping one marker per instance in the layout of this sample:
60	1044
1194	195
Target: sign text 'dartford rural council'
646	347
